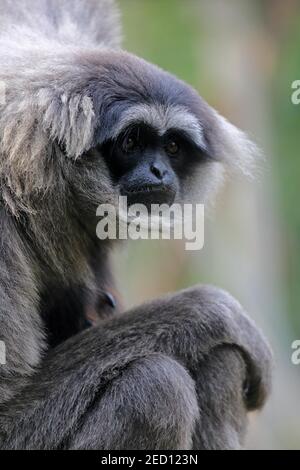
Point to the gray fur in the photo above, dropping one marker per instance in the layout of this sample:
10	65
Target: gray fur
179	372
54	22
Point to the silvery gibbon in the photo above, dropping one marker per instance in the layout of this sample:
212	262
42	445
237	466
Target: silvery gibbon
82	122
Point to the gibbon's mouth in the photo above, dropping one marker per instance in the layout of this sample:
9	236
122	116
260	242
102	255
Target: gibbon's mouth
148	195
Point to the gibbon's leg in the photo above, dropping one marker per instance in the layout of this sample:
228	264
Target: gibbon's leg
186	326
220	385
152	404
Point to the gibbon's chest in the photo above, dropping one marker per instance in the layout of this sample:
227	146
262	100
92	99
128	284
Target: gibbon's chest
68	311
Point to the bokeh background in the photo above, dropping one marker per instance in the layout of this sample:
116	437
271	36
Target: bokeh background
242	56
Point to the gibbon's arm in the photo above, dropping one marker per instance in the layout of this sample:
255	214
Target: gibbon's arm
178	372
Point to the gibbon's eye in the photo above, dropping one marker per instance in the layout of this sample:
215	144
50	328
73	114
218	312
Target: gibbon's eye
130	143
172	147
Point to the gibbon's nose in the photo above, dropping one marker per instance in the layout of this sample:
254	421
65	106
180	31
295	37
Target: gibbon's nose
158	170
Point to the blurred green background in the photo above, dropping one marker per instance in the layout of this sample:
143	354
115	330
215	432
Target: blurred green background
242	56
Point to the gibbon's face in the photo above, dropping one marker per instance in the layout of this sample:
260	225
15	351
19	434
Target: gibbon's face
148	164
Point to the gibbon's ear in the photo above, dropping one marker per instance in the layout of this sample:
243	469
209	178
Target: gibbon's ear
70	120
233	147
29	124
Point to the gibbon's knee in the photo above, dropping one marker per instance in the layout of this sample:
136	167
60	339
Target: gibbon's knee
221	385
152	404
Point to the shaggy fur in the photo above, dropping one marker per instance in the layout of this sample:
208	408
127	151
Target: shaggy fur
179	372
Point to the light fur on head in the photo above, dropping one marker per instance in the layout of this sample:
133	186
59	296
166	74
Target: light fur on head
67	83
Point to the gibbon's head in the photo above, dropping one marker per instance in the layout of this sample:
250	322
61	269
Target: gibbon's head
96	124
